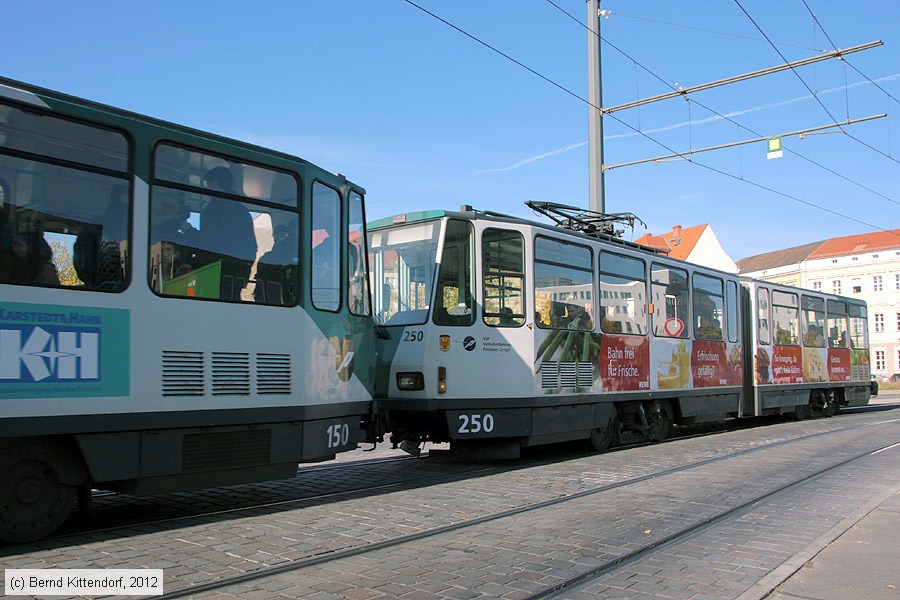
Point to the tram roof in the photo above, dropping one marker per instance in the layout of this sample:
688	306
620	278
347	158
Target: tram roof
469	213
45	94
472	214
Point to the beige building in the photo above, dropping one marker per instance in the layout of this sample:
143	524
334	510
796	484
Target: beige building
865	266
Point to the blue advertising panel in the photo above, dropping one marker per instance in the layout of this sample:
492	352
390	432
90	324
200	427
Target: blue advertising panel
49	351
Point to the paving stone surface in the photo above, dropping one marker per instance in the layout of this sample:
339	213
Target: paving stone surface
519	555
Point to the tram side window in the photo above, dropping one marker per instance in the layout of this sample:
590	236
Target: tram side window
859	330
731	308
64	214
709	307
786	317
622	294
503	270
837	324
217	229
358	279
454	288
563	285
669	298
762	316
326	274
813	321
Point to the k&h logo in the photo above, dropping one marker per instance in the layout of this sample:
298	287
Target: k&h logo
33	353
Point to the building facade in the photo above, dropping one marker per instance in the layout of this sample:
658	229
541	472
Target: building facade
865	266
697	244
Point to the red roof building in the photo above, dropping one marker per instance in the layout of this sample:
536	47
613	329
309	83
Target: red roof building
697	244
865	266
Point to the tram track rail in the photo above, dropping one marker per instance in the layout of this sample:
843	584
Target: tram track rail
648	550
286	503
119	519
88	524
581	578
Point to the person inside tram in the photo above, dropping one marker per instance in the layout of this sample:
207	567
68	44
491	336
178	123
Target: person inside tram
813	337
710	328
507	318
270	270
33	259
25	256
97	254
172	262
226	227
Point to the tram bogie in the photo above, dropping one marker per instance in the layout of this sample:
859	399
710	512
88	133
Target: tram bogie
512	333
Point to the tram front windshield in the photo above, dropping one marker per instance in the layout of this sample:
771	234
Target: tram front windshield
402	261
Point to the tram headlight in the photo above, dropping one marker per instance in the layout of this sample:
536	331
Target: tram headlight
410	382
442	380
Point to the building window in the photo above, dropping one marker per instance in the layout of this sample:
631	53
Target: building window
836	286
879	360
897	368
857	289
897	281
876	283
817	286
879	323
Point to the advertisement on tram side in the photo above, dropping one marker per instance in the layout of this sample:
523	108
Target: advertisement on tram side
590	362
51	351
793	364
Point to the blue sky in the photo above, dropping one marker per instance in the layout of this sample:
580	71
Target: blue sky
423	117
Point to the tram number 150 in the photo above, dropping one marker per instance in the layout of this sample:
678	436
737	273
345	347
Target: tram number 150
476	423
338	435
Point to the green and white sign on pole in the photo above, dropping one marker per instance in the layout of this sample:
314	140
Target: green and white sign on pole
774	147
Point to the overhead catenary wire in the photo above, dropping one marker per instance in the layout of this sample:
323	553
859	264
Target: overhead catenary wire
678	90
629	126
806	85
706	30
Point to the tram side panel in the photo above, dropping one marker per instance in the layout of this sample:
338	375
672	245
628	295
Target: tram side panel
810	350
160	354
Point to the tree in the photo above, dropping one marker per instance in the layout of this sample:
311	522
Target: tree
62	260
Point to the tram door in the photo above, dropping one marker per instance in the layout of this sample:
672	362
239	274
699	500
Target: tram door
480	312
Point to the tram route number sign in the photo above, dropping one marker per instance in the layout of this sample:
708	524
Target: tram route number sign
673	327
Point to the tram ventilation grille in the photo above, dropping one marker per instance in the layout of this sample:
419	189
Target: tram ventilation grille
205	451
182	373
273	373
557	374
230	374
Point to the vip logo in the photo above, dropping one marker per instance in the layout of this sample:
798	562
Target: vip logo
49	354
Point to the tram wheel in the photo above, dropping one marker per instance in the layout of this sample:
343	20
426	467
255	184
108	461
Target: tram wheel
660	421
33	503
802	412
604	437
831	406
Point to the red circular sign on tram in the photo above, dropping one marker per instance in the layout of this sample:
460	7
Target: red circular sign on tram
673	327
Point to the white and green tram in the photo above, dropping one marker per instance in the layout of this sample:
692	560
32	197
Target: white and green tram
498	333
177	310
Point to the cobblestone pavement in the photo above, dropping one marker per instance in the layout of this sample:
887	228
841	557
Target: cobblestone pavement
516	556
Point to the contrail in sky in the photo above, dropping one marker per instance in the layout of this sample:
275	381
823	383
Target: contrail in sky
711	119
524	162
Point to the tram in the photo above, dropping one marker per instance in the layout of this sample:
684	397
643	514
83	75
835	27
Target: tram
499	333
178	310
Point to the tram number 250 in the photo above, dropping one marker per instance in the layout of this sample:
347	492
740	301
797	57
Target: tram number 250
476	423
338	435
